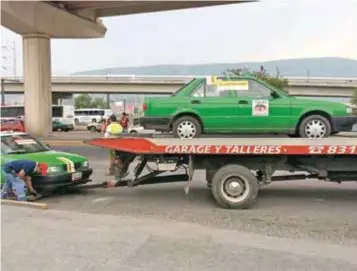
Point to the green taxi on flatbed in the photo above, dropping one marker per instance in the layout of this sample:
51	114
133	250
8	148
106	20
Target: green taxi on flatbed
61	169
246	105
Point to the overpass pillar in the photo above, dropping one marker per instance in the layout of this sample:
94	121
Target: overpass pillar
37	84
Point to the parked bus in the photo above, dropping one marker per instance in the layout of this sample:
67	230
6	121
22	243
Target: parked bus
63	113
88	115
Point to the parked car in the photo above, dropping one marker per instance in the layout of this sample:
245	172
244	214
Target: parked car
12	124
243	105
61	126
62	168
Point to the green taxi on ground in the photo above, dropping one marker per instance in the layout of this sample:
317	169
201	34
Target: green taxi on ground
243	105
61	169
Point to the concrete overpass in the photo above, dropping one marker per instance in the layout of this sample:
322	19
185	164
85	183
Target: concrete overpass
131	84
39	21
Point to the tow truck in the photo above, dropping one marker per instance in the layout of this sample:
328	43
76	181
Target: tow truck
236	168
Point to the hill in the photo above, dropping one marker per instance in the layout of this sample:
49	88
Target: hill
314	67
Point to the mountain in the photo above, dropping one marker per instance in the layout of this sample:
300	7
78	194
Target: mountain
314	67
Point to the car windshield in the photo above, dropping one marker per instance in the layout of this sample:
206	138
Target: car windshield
17	144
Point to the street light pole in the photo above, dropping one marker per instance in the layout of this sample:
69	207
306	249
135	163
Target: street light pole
2	91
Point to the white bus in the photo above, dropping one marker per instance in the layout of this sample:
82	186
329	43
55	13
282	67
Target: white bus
63	113
88	115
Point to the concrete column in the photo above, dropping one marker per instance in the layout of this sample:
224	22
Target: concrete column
37	84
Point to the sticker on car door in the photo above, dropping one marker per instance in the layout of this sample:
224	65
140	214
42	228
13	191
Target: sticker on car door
260	107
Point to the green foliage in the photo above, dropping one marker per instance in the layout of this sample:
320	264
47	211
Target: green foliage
276	81
86	101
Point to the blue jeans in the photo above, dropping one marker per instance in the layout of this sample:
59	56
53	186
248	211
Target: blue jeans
16	185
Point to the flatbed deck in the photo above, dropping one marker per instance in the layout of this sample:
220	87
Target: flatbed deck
252	146
235	167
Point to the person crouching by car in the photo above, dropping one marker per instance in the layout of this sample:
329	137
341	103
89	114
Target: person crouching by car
113	129
17	175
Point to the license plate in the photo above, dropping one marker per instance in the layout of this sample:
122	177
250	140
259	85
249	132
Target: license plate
166	166
76	176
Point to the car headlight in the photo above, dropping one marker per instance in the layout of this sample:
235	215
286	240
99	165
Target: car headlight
85	164
53	169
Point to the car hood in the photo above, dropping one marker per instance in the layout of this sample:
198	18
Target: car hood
49	157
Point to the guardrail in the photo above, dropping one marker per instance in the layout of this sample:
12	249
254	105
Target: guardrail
180	79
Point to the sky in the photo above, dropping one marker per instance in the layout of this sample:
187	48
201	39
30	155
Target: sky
267	30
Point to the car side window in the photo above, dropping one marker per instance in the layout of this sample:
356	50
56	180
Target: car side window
259	90
199	92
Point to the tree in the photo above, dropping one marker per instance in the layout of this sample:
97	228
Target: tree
83	101
99	103
277	81
86	101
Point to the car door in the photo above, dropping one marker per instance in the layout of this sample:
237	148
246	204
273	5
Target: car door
216	108
261	109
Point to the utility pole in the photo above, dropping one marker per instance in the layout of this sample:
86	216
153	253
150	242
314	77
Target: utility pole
2	91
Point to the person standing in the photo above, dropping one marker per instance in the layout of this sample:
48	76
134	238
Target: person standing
112	130
124	122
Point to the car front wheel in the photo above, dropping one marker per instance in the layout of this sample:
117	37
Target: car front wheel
314	126
187	127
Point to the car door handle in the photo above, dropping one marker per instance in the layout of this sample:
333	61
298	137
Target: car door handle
195	102
243	102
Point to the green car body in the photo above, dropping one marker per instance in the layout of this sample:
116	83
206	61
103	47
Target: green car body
62	169
243	105
61	126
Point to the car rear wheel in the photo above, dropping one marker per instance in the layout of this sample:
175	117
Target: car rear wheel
187	127
133	132
314	126
93	129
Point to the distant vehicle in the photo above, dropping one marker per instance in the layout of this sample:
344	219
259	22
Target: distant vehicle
243	104
97	127
61	126
62	113
88	115
15	125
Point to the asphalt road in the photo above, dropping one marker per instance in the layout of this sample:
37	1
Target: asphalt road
307	225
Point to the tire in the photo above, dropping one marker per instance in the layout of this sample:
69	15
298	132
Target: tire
189	121
318	121
93	129
133	132
76	121
235	174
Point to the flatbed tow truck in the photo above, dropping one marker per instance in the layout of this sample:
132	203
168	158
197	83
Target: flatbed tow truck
236	168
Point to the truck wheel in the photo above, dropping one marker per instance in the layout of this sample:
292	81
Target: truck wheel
314	126
234	187
187	127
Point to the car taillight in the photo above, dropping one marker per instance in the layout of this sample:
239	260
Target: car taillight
44	168
145	107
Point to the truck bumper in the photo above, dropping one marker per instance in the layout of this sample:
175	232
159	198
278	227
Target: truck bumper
343	124
155	123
